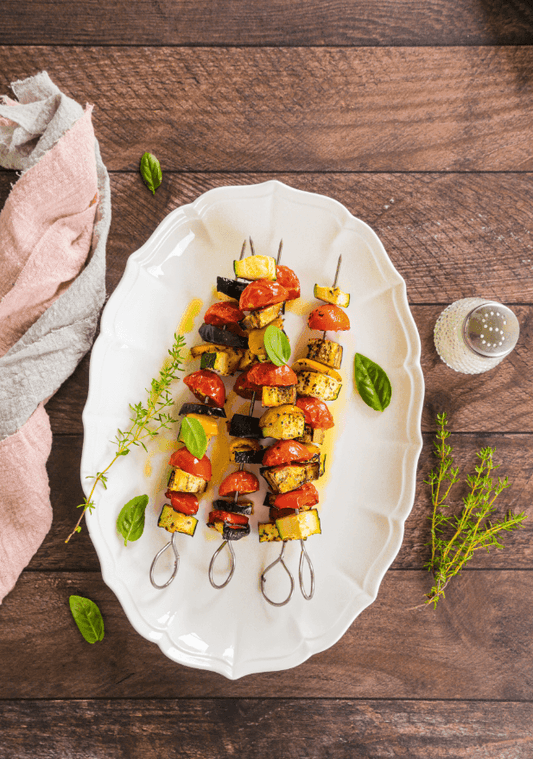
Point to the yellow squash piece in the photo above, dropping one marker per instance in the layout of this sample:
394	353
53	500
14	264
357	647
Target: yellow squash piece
308	365
315	385
332	295
255	267
183	482
325	352
268	532
283	422
299	526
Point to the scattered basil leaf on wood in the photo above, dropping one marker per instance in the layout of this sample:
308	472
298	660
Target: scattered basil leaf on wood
130	521
88	617
193	435
151	171
372	383
277	345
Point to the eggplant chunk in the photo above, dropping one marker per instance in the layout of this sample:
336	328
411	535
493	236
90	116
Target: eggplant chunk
286	477
326	351
262	317
279	395
312	435
283	422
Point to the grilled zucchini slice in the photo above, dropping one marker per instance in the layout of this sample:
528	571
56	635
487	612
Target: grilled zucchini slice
312	435
184	482
263	317
286	477
283	422
175	521
277	396
255	267
325	351
224	362
299	526
317	385
268	532
308	365
332	295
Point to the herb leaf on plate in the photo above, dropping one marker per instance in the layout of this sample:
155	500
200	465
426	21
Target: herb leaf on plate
372	382
193	435
130	521
88	617
277	345
151	171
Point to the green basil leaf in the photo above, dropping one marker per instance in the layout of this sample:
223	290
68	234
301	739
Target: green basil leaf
277	345
372	383
130	521
151	171
193	435
88	618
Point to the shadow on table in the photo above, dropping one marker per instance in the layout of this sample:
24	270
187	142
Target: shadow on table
510	23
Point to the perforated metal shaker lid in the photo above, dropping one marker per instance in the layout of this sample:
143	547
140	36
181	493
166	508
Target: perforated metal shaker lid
491	330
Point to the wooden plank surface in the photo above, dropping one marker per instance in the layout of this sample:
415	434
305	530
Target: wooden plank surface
477	645
267	22
299	109
271	727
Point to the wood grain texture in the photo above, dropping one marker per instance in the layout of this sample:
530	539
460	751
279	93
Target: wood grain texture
267	22
299	109
477	645
513	453
272	728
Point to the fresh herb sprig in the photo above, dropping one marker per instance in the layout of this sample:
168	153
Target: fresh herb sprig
146	421
456	537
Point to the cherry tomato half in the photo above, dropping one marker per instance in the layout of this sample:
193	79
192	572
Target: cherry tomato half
239	482
328	318
271	375
262	293
306	495
223	313
244	387
288	279
187	503
206	386
184	460
217	515
285	452
317	415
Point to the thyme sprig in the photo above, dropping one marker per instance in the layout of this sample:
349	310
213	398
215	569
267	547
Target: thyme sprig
456	537
146	421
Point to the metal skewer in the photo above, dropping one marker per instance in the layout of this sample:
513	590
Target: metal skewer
334	284
172	544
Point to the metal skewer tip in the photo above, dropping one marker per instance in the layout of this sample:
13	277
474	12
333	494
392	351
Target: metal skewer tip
252	246
334	284
280	249
242	250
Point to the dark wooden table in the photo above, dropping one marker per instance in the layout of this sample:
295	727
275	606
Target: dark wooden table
416	115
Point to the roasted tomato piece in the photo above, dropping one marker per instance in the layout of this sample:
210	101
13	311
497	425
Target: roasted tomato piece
328	319
239	482
183	459
285	452
317	414
288	279
244	387
187	503
305	495
207	387
220	314
217	515
262	293
271	375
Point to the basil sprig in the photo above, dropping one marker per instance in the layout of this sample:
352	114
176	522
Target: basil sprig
277	345
151	171
193	435
88	617
372	383
130	521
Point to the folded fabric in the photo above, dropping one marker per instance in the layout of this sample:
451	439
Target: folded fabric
53	231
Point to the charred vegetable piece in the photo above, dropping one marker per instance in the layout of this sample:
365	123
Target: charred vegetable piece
212	334
175	521
263	317
199	408
255	267
312	435
236	507
224	362
318	386
245	450
282	479
333	295
268	532
244	426
277	396
309	365
299	526
230	531
325	351
231	287
282	422
185	482
246	361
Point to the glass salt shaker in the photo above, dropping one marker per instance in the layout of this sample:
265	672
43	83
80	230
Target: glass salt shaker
473	335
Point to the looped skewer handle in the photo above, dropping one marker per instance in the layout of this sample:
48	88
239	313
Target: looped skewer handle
279	560
212	565
304	557
172	544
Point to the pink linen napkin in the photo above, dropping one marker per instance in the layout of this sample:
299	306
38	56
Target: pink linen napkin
52	267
